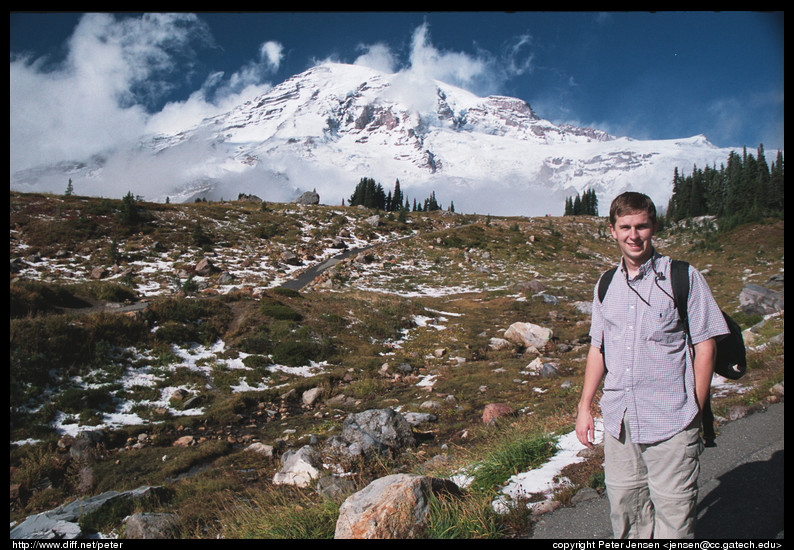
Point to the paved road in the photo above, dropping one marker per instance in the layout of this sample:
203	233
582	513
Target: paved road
741	488
314	271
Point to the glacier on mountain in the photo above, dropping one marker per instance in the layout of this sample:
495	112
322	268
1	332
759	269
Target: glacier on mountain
334	124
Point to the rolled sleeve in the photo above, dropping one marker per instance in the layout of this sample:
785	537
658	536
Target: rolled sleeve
705	317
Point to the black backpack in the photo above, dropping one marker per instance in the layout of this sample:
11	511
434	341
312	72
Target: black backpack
731	359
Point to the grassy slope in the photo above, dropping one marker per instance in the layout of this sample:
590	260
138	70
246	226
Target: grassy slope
369	319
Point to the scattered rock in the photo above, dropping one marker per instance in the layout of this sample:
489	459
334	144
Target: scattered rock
151	526
584	307
184	441
493	411
545	507
544	369
205	267
290	258
300	467
260	449
583	495
415	419
334	487
310	396
498	344
736	412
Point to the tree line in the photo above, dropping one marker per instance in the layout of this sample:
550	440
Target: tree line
586	205
744	189
371	194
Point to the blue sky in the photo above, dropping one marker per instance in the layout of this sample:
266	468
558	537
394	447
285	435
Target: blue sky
82	81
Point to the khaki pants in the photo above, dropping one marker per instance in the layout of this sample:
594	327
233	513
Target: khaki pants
652	489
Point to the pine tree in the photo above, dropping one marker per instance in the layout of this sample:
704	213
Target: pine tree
397	197
586	205
776	184
128	213
69	189
762	178
697	194
745	189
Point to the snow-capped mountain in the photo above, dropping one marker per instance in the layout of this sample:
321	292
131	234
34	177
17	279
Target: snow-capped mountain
333	124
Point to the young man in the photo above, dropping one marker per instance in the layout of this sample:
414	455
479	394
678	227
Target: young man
653	389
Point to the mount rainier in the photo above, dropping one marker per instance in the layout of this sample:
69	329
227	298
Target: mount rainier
328	127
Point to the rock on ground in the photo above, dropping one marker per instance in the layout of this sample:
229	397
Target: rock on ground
392	507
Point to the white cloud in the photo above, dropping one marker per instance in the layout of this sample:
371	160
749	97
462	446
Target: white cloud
271	53
115	70
96	98
455	68
378	56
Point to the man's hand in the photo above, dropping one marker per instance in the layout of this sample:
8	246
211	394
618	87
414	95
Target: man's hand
585	428
593	374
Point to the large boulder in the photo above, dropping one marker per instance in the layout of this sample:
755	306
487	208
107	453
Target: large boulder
64	522
373	432
309	197
392	507
528	335
758	300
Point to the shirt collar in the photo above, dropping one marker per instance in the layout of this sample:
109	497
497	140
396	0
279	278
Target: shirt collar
645	268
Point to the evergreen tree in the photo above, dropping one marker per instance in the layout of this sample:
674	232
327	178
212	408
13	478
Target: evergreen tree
368	193
397	197
69	189
776	184
586	205
697	194
128	212
762	179
735	195
745	189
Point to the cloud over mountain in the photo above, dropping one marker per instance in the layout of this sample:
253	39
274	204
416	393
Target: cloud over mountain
99	116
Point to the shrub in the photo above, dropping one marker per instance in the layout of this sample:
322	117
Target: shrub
279	311
33	297
295	353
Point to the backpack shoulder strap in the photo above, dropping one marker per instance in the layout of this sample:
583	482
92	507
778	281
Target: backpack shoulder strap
603	283
679	275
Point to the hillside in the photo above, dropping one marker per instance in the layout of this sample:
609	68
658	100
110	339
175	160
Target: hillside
156	322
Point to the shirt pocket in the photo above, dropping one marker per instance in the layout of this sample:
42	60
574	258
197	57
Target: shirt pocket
661	323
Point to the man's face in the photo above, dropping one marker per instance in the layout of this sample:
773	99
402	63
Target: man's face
633	233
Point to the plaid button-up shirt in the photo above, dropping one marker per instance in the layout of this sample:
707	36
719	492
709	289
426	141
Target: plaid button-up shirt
650	376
